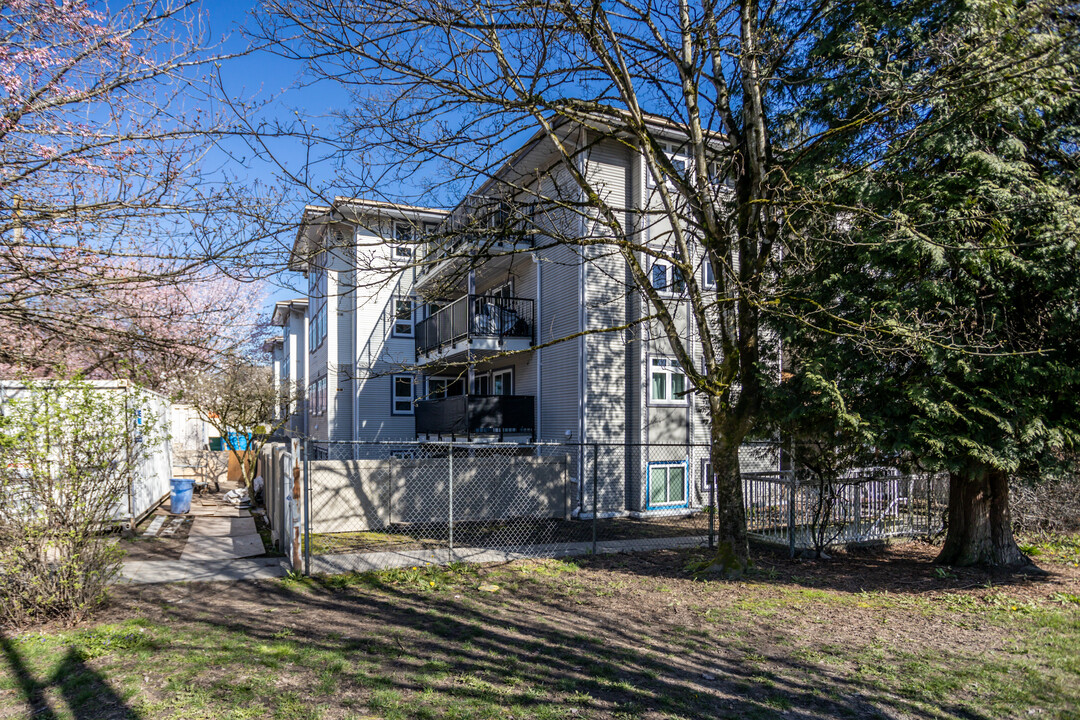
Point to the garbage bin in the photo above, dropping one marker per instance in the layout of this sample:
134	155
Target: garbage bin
180	495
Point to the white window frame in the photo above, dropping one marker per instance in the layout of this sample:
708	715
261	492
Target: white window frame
446	379
668	288
708	277
403	247
317	400
317	329
503	371
395	398
504	291
707	478
667	367
667	465
399	327
676	155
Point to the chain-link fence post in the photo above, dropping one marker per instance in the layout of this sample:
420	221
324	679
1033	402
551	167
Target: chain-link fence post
712	506
595	493
307	507
450	508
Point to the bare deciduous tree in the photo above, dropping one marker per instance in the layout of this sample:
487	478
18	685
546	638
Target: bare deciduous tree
241	401
707	99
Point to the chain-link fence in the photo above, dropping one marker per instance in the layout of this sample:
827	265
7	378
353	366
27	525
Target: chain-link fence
368	505
371	505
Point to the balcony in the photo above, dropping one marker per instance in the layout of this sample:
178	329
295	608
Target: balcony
475	324
467	416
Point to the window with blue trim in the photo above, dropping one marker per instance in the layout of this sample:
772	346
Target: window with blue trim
667	484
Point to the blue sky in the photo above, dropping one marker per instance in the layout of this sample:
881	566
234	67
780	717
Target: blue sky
263	77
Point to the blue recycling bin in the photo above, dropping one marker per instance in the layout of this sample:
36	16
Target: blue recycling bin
180	495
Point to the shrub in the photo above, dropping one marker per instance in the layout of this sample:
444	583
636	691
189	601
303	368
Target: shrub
1049	506
68	453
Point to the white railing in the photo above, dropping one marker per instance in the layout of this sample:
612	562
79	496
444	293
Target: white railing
806	513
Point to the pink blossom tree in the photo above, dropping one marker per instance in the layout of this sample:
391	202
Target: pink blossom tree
117	248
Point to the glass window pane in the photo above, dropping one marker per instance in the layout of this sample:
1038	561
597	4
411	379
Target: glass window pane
678	386
659	386
657	485
502	383
676	484
659	276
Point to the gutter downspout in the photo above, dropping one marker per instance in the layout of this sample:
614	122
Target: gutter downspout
582	320
354	347
470	360
540	351
307	368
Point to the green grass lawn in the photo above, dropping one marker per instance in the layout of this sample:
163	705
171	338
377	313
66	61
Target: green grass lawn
626	636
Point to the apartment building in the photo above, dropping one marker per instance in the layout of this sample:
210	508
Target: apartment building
525	340
291	316
357	257
274	348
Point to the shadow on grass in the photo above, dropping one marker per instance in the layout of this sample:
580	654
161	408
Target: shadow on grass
87	695
550	656
909	569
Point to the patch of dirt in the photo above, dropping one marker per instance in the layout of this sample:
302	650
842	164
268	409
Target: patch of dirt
142	546
519	531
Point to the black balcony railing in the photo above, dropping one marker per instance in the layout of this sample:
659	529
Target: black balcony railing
476	316
468	415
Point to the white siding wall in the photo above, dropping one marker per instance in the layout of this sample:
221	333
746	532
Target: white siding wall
608	354
341	390
319	353
297	338
379	353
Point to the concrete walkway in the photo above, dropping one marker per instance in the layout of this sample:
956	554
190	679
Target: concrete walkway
171	571
222	538
220	543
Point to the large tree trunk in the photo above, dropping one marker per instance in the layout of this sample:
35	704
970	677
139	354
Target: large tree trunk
732	550
980	527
